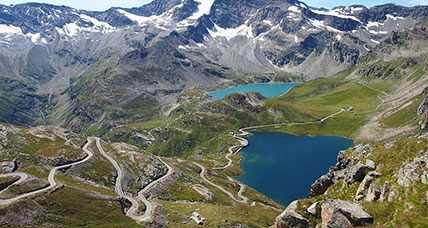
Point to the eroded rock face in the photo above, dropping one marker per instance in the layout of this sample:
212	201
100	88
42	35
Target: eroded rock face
251	101
340	213
346	168
7	166
423	110
152	171
412	171
365	185
386	189
5	131
291	219
373	193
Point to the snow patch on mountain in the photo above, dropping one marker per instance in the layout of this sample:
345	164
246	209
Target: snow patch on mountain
294	9
336	13
138	19
321	25
37	38
71	29
204	8
348	10
229	33
98	25
9	30
74	29
371	24
375	41
394	18
162	21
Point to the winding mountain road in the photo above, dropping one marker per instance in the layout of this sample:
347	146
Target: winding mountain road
22	177
203	173
241	189
133	211
51	178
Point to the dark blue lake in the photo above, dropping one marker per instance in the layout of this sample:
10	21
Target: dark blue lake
266	89
284	166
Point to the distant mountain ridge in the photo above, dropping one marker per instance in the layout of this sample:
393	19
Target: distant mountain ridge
77	67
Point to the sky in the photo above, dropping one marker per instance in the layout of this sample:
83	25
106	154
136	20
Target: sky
105	4
84	4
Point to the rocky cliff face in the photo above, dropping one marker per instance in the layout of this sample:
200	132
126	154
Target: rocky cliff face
423	110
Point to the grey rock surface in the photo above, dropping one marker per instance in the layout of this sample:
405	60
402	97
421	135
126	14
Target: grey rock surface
289	218
412	171
353	212
7	166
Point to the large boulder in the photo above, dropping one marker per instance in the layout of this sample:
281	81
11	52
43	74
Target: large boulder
289	218
343	213
336	220
7	166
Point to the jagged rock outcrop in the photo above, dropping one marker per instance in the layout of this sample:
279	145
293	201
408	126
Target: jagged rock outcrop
349	169
315	209
321	185
364	186
373	193
412	171
291	219
340	213
384	194
423	110
7	166
357	173
153	170
252	102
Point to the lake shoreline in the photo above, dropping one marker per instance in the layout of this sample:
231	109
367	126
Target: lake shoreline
262	171
266	89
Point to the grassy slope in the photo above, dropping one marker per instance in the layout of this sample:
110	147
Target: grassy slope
320	98
408	209
178	209
404	116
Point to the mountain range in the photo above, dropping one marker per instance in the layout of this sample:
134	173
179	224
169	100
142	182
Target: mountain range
77	68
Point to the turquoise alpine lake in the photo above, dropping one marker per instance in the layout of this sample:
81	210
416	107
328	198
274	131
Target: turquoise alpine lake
266	89
283	166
